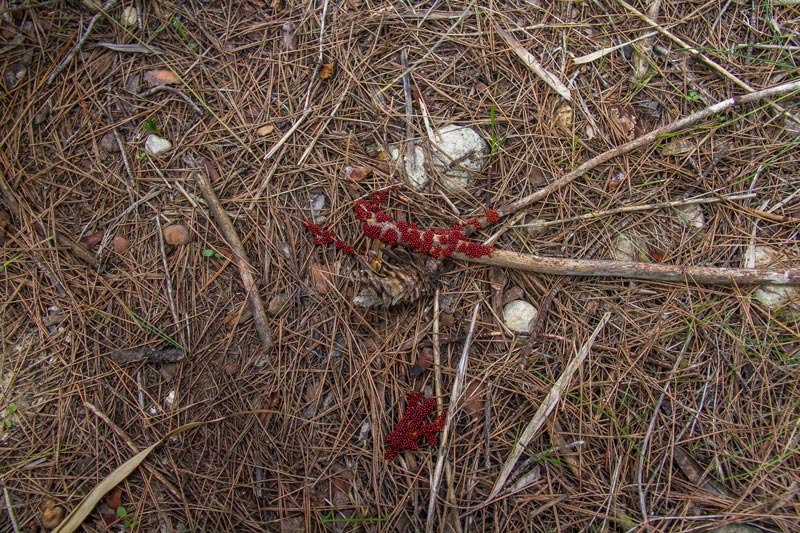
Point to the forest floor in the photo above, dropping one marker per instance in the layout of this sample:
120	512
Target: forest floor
669	404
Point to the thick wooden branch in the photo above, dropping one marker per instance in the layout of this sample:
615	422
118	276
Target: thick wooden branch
635	269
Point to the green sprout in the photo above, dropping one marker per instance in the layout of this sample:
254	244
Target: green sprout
208	252
11	410
176	23
151	125
497	141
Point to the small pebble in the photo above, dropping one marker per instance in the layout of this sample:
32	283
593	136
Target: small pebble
120	244
177	235
265	130
130	16
155	145
519	315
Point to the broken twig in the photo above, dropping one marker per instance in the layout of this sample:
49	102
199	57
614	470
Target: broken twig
203	176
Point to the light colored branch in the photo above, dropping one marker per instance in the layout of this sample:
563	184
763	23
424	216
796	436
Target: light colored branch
644	140
635	269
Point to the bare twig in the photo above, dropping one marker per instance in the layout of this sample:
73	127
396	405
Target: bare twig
644	140
696	53
452	411
635	208
548	404
160	355
638	270
77	48
10	509
203	177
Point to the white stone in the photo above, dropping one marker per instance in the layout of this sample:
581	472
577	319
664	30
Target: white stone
155	145
775	297
414	170
518	316
691	215
130	16
457	154
169	399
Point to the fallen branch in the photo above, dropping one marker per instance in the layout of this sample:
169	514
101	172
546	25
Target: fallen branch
203	177
636	269
641	141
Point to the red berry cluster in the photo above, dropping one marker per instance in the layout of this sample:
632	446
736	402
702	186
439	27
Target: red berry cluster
412	426
440	243
327	236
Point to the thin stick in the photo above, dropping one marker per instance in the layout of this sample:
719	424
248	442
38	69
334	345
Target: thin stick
548	404
532	63
455	405
313	142
634	208
644	140
203	177
288	134
637	270
75	49
437	352
135	449
696	53
10	508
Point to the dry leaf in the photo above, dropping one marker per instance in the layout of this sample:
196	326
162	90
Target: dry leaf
268	404
357	173
278	304
656	255
321	278
615	181
474	398
623	120
339	486
677	147
327	70
160	77
114	498
52	514
513	293
92	240
563	117
265	130
424	361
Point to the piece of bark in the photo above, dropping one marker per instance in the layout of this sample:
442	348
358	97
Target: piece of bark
158	355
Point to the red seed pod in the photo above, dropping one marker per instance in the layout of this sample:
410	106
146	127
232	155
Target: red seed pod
492	216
